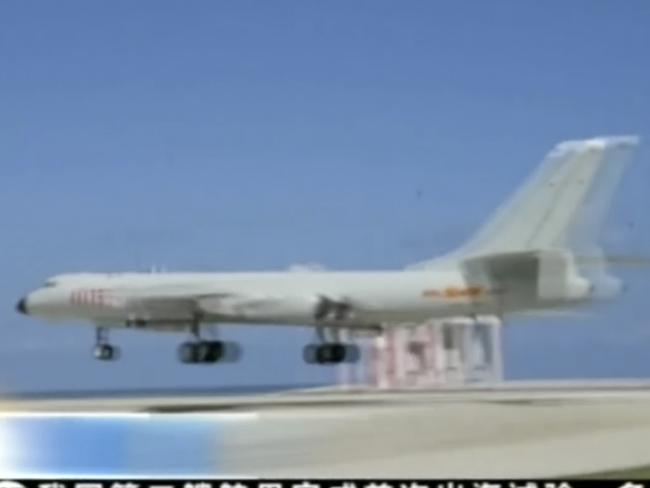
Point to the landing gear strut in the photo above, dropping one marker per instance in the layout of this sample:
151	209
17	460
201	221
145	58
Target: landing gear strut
330	352
103	350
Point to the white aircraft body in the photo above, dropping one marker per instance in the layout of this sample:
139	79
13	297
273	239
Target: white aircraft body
538	252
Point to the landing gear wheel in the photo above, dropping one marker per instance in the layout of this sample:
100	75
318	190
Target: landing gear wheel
103	350
210	351
331	353
106	352
339	352
204	352
323	355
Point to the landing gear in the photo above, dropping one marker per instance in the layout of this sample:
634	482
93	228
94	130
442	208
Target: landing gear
201	351
330	352
106	352
103	350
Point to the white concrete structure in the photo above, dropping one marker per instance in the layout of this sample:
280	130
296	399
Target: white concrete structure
437	353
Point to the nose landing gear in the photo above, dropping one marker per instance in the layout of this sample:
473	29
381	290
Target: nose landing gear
103	350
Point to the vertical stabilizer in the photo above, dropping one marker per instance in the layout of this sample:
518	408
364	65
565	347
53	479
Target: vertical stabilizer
562	205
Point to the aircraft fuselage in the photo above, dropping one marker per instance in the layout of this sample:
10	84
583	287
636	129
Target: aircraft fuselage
375	297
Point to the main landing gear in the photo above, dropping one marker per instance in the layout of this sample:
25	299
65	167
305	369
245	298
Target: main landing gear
198	351
103	350
330	352
201	351
204	352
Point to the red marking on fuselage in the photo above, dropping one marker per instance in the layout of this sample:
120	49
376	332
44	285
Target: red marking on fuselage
93	297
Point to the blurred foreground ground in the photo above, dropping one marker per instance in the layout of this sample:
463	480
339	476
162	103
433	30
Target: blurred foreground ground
514	430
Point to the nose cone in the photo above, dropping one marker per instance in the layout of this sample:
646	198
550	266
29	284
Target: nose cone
21	306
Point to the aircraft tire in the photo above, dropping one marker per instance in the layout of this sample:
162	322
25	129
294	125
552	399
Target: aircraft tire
211	351
323	355
337	352
330	353
106	352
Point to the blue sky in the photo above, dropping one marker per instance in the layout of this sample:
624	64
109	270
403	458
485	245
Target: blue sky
253	135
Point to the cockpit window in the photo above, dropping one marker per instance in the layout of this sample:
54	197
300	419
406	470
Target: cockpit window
49	284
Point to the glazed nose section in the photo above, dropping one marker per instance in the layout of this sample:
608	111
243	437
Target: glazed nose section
21	306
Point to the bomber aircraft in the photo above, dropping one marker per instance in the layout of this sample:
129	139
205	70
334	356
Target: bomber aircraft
538	252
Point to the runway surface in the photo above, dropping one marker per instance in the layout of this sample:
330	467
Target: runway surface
511	430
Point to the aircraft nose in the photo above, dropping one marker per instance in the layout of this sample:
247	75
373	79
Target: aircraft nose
21	306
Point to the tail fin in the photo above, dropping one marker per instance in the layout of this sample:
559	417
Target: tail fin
562	205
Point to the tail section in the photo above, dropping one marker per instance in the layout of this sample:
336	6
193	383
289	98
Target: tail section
561	206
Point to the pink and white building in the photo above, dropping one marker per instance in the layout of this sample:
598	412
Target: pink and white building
439	353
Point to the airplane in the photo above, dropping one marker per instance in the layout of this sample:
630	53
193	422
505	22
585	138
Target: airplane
539	252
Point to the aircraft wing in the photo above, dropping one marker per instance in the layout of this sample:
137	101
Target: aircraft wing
316	307
231	305
189	303
163	302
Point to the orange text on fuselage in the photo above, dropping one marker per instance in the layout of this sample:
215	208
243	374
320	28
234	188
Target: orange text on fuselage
455	292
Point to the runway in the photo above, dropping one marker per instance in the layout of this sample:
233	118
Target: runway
510	430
